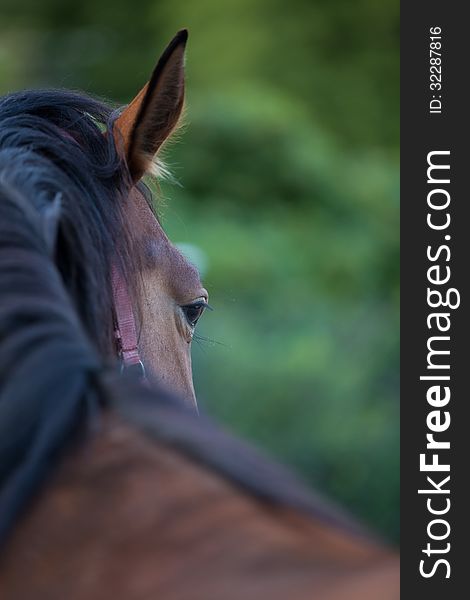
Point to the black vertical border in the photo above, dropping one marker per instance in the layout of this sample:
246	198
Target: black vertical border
421	133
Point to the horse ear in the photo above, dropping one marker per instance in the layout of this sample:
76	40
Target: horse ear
145	124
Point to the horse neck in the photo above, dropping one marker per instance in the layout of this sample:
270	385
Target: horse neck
139	515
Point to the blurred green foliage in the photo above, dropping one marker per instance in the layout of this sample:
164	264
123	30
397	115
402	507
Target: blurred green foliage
289	187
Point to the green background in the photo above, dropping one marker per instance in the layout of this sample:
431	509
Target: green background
287	192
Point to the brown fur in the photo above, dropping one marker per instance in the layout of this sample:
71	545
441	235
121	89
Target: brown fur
169	281
132	519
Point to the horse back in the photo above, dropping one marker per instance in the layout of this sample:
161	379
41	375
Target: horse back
127	517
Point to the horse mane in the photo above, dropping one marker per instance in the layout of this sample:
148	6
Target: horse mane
46	359
54	384
53	148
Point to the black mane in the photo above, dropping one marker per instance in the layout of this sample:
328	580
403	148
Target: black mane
46	359
52	149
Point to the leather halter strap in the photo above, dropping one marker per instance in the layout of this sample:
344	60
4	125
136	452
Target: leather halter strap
125	328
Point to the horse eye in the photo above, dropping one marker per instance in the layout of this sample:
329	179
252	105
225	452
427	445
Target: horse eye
193	312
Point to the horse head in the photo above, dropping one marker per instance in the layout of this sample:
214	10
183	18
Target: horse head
83	165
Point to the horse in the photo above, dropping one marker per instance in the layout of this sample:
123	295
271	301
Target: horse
111	486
